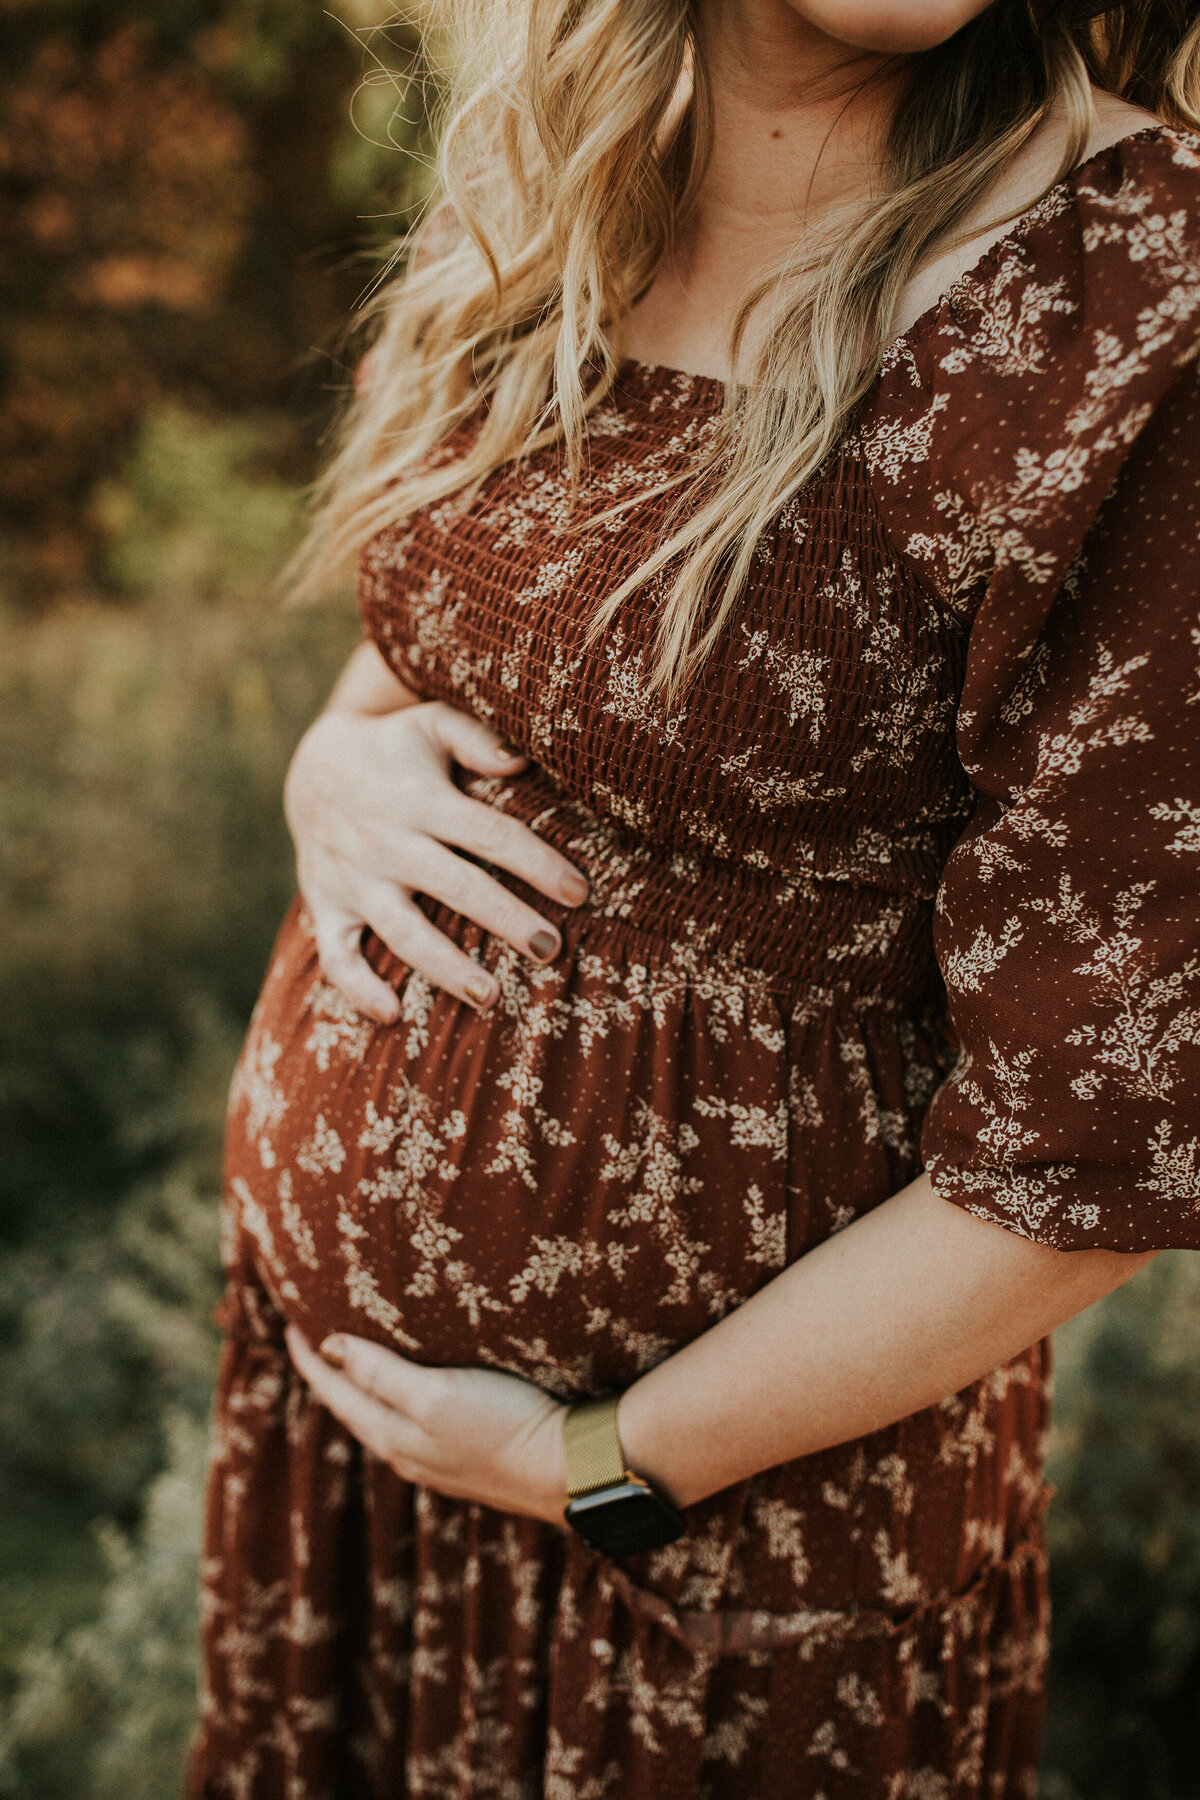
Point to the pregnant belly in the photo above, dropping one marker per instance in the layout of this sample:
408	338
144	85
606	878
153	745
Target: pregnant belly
573	1185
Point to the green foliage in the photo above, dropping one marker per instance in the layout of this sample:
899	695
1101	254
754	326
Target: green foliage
1125	1545
145	868
107	1713
186	520
145	860
181	184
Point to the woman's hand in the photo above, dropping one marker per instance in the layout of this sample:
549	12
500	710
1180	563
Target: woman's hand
376	819
473	1434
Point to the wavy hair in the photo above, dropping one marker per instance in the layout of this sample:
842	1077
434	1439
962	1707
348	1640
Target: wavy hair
576	137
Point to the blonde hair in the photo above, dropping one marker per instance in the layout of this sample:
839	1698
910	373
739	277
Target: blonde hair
577	137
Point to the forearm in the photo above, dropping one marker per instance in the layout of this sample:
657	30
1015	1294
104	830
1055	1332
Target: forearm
912	1302
368	685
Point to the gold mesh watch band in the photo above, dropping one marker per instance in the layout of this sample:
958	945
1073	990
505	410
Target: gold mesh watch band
594	1455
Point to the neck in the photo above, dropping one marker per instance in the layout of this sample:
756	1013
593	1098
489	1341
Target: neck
799	125
799	120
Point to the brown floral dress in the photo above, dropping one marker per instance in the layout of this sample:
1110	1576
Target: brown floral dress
949	744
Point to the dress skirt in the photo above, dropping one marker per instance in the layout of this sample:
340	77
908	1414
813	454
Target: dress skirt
570	1187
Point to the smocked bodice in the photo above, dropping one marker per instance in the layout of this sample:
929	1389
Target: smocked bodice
797	803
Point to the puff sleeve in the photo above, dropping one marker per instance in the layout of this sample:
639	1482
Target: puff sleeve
1068	919
1035	452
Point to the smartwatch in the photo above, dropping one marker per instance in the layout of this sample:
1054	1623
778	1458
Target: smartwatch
613	1510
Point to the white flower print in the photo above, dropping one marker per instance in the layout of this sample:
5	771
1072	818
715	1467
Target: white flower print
784	1527
1174	1170
1147	1025
768	1231
1002	323
629	695
890	447
750	1126
799	674
338	1028
553	1258
880	1124
967	970
651	1167
962	555
256	1089
324	1153
731	1738
1186	814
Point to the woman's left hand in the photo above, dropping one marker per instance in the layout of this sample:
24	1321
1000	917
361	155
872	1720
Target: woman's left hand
473	1434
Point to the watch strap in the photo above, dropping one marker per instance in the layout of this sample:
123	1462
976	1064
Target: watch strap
593	1448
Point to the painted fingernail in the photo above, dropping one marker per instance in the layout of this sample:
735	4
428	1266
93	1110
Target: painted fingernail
334	1352
576	889
543	944
480	989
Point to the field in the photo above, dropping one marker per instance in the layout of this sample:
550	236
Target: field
160	406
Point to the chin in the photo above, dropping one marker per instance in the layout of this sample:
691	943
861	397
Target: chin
891	27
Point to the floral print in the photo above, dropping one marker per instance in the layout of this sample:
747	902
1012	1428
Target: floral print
905	879
1074	558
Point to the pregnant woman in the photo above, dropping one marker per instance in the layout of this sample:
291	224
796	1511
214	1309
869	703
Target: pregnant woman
747	967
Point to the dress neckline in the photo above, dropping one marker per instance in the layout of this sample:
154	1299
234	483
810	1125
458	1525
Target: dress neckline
714	387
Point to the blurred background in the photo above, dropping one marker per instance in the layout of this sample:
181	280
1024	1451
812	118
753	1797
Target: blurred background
193	193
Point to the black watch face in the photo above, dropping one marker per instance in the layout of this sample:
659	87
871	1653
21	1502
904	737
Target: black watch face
627	1517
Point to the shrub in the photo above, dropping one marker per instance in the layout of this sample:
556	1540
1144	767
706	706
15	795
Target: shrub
1125	1544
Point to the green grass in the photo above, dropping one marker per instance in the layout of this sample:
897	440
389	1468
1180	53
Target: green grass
50	1569
145	866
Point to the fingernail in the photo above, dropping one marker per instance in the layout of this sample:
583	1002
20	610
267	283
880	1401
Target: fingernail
481	990
576	889
334	1352
543	944
508	751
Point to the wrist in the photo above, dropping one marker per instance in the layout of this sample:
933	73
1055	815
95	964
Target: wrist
549	1467
614	1508
376	707
368	686
640	1430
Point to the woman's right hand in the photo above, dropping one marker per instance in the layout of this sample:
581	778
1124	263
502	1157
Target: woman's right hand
377	819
